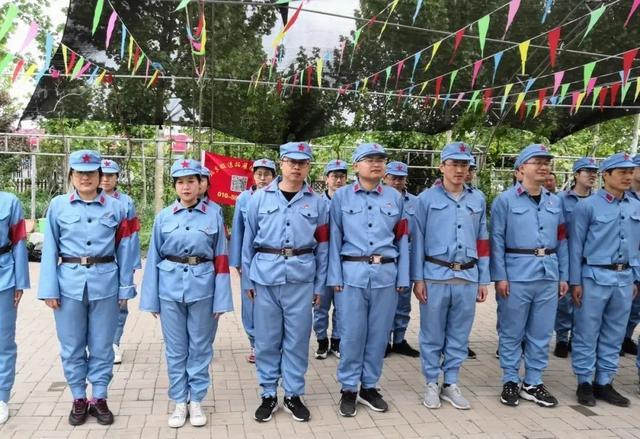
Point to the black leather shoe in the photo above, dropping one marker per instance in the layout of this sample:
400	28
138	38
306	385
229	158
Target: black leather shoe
561	350
585	395
629	346
100	410
471	355
79	412
609	394
404	348
388	350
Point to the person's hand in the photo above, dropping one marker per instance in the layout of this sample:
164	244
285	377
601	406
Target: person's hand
216	315
400	290
483	292
251	293
16	298
563	288
420	291
155	314
122	303
337	288
316	300
502	288
52	303
577	295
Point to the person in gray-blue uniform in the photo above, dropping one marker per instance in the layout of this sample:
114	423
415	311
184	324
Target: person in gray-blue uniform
109	185
605	269
86	275
186	282
585	174
450	271
335	174
205	176
264	171
284	267
14	279
368	267
628	345
529	265
396	177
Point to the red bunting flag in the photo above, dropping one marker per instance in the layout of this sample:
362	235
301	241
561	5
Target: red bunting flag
627	62
602	98
553	37
17	70
399	70
614	92
309	76
438	85
542	93
488	99
456	44
72	63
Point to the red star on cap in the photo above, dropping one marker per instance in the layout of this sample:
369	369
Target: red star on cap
463	148
107	163
543	148
626	156
264	162
185	164
86	158
376	146
301	147
592	161
400	167
337	162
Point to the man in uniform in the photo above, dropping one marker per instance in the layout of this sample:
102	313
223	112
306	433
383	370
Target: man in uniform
284	268
529	265
396	177
585	172
368	267
605	265
335	174
264	171
109	184
450	271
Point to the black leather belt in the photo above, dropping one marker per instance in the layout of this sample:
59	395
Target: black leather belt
614	267
373	259
6	249
287	252
539	252
87	260
455	266
189	260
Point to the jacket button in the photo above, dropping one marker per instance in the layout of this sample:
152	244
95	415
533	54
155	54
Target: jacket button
459	226
459	246
89	220
185	270
457	205
541	227
88	242
369	207
370	225
190	210
187	228
186	251
371	243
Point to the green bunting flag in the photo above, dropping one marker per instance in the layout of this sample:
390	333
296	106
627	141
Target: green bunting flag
12	12
182	4
593	19
96	15
587	71
483	27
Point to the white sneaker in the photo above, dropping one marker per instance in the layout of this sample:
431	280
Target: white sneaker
117	356
196	415
432	396
179	416
453	395
4	412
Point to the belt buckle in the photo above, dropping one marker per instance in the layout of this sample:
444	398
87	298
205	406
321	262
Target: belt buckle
193	260
287	252
619	267
375	259
540	252
84	260
455	266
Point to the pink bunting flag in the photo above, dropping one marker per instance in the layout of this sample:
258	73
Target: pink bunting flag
590	85
399	70
557	80
634	7
83	70
31	34
476	69
554	37
514	5
458	99
627	62
17	70
110	25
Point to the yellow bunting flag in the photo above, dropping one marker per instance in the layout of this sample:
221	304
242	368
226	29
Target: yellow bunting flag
64	57
579	101
319	65
519	102
153	78
30	71
101	77
434	50
130	52
524	49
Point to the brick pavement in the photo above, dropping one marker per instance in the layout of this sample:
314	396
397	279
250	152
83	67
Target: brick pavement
138	393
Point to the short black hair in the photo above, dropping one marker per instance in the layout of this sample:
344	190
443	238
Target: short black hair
100	173
273	173
175	179
337	171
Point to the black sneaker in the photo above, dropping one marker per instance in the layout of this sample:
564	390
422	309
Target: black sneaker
348	403
609	394
538	394
509	394
629	346
100	410
295	406
498	354
403	348
585	395
323	349
561	350
471	354
372	399
79	412
335	347
388	350
268	407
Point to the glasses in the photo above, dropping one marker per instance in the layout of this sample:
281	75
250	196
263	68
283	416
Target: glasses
374	160
538	163
456	164
296	163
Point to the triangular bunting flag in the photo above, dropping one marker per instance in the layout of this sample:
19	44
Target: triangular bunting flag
614	93
519	101
593	19
596	94
415	14
434	50
319	67
553	37
507	89
637	93
557	80
513	10
96	15
529	84
603	97
452	79
625	89
627	62
17	69
458	99
590	85
483	26
634	7
587	71
496	62
524	49
476	69
563	91
416	60
456	44
9	17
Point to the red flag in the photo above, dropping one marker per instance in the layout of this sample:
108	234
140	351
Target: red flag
438	85
614	92
229	177
399	70
458	40
279	87
72	62
16	70
602	97
541	98
375	79
627	62
488	100
554	38
309	76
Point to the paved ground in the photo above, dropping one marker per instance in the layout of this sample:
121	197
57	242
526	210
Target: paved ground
138	393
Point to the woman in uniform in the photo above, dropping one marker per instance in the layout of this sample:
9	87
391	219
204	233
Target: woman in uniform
86	276
186	282
14	278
